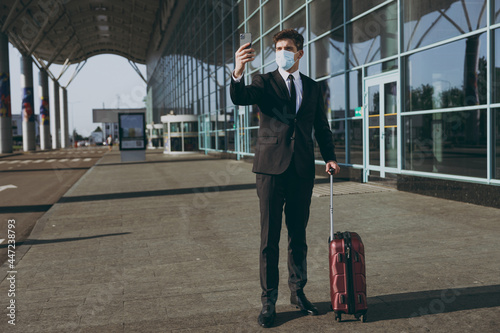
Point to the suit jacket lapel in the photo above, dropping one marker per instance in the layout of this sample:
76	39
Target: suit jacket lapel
306	92
280	87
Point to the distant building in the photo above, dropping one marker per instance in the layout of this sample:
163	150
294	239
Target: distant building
110	128
96	138
17	125
108	118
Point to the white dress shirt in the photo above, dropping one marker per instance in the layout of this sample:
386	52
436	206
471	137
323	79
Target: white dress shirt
298	85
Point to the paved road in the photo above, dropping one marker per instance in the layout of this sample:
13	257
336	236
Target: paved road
170	244
30	183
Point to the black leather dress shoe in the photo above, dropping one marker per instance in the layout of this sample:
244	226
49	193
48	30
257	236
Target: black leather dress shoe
267	315
301	302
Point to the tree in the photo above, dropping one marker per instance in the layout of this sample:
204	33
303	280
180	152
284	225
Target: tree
77	136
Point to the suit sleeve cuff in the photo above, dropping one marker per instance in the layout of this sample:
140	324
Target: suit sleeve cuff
236	79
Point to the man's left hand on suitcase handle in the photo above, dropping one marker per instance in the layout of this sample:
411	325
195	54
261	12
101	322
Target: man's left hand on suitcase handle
332	165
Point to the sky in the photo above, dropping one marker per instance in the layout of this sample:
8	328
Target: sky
106	81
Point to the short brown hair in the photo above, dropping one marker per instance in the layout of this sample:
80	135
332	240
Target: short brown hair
292	34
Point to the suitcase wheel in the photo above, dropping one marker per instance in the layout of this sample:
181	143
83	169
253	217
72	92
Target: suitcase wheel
359	315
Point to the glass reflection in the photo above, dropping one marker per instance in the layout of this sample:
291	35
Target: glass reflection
381	67
355	149
427	22
496	143
175	127
303	63
357	7
374	146
390	124
391	147
335	98
496	68
270	14
373	36
355	91
374	124
290	5
258	56
338	130
231	143
254	26
450	143
298	22
327	55
251	6
240	12
496	14
327	15
268	46
447	76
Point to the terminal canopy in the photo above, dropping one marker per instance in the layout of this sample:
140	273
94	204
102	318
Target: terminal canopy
71	31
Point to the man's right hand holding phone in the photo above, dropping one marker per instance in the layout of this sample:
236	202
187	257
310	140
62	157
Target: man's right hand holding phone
244	54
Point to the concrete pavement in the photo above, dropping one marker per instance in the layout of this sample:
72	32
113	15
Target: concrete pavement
171	245
31	182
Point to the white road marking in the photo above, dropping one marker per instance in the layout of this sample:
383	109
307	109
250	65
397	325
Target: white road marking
87	159
5	187
75	160
38	161
51	161
1	240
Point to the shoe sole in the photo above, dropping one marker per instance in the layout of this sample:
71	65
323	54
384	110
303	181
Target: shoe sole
306	312
269	324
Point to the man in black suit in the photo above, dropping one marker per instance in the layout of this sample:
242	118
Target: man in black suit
291	106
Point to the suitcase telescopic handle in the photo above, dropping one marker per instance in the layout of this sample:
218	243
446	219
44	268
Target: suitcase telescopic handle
332	171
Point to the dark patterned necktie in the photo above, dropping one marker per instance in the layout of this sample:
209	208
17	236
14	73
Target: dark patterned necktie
293	93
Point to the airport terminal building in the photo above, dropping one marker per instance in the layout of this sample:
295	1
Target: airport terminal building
411	88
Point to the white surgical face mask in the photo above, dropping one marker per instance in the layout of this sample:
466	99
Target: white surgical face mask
285	59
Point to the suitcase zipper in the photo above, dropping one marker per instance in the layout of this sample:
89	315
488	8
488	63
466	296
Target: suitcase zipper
350	275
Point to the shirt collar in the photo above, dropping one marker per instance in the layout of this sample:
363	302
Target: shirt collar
284	74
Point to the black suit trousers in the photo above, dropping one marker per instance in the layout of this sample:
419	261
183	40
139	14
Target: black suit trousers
293	192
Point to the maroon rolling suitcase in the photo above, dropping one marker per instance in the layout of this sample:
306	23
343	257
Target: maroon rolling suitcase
347	271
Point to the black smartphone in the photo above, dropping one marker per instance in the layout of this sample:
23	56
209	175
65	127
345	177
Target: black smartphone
246	38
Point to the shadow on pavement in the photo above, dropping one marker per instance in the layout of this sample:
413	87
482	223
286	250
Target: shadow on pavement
45	170
423	303
284	317
154	193
25	209
62	240
126	195
159	161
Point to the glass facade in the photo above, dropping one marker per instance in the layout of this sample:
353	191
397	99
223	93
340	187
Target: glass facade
410	87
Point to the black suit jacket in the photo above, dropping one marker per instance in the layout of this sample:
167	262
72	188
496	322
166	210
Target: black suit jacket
284	134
